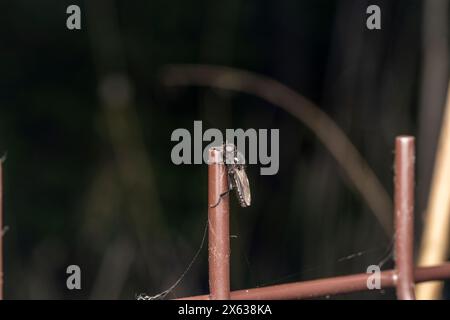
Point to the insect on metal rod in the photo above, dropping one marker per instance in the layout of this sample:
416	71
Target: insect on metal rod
237	177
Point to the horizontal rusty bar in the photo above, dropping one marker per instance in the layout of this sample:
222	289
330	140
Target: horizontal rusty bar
331	286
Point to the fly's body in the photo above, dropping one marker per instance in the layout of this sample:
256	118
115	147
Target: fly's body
237	176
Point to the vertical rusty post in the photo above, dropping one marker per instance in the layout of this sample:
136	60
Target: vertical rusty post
1	228
218	227
404	216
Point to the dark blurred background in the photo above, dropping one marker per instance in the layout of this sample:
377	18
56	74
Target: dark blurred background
86	124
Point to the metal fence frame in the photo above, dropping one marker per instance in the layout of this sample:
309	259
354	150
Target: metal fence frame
402	277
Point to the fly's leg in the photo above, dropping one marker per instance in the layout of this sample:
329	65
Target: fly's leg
220	198
230	187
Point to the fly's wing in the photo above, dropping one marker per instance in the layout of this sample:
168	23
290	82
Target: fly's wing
242	187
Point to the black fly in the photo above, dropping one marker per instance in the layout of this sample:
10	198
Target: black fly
237	177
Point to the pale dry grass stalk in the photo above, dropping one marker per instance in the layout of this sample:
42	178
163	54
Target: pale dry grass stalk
436	237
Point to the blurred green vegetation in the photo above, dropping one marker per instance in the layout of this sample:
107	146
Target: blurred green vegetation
92	184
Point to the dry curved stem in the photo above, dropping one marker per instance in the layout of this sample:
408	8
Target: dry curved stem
326	130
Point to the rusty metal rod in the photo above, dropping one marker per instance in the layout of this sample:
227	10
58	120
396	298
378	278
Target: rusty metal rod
218	227
404	216
331	286
1	228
